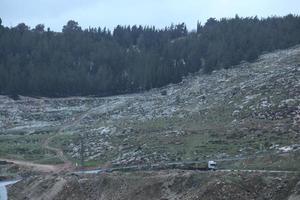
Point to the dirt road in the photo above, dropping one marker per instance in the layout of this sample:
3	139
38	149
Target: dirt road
68	165
34	166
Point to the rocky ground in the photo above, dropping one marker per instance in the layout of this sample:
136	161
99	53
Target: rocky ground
246	117
167	185
248	109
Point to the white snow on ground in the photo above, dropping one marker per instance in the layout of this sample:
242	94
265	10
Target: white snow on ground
286	149
32	125
249	89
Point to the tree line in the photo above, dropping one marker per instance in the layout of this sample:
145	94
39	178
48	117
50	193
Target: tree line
98	61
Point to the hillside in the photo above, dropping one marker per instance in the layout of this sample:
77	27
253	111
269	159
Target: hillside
246	117
98	61
251	109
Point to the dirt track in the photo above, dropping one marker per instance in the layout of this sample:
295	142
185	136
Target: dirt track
34	166
68	165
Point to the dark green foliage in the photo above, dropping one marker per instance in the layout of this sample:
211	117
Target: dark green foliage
131	58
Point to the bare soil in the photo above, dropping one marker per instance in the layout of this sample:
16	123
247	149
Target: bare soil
167	185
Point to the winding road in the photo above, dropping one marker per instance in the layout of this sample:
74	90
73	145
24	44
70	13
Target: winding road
68	165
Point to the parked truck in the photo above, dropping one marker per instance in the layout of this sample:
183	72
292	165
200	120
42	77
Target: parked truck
189	165
212	165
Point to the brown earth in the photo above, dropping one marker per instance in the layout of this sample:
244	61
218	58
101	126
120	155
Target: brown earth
164	185
31	165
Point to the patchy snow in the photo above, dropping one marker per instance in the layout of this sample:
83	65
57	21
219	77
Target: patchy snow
289	148
249	92
285	149
249	98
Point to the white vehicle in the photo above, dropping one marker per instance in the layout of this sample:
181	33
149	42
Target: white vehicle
212	165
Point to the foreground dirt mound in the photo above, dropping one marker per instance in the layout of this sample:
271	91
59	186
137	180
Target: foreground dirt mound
160	185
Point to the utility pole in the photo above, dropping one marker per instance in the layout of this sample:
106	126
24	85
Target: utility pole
81	151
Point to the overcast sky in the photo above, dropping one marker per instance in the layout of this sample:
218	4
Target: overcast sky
109	13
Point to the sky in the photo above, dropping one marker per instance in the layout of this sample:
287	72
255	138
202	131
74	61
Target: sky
161	13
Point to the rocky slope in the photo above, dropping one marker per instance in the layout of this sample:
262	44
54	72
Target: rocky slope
249	114
248	109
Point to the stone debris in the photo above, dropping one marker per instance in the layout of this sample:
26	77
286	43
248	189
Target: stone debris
267	90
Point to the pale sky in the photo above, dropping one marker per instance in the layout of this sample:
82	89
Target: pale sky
161	13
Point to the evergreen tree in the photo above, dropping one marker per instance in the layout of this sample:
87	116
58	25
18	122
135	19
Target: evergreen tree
131	58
